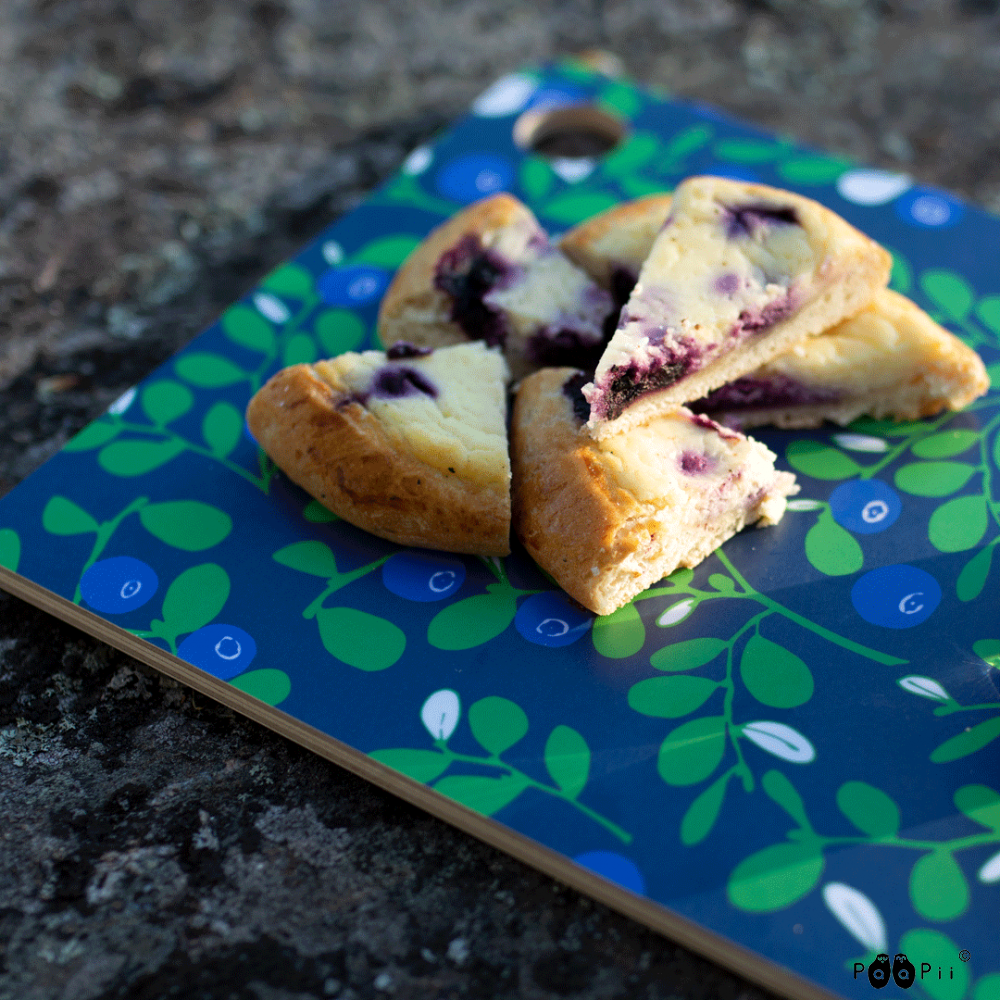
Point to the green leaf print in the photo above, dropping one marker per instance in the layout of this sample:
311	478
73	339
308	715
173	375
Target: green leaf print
967	742
292	280
989	650
482	794
136	458
193	600
421	765
748	150
773	675
670	697
639	149
688	654
299	350
938	889
574	207
945	444
685	142
94	436
387	251
780	790
622	98
808	170
702	813
619	634
901	278
536	177
987	988
776	877
63	517
692	751
359	639
722	583
958	524
497	723
975	572
473	621
813	458
10	549
246	327
221	428
567	759
338	331
308	557
988	310
186	524
949	291
316	513
208	371
640	187
938	950
165	401
869	809
831	548
268	685
933	479
980	803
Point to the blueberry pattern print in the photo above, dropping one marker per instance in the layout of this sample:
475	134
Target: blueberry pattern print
800	732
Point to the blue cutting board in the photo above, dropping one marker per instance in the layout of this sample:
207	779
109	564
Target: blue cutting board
788	759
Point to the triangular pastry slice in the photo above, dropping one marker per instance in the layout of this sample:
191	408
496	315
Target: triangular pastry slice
490	273
607	518
738	274
891	360
410	444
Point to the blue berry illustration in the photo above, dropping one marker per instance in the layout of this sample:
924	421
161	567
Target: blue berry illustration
118	584
551	619
475	175
865	506
423	576
554	97
352	286
734	172
221	650
896	596
614	867
928	208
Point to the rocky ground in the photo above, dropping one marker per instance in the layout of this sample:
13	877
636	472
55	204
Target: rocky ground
155	159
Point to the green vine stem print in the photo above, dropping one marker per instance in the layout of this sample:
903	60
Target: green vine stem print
496	724
781	874
357	638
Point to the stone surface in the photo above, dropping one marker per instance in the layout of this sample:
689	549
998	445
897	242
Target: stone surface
155	159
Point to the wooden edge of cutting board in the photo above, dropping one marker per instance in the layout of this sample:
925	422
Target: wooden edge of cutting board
734	957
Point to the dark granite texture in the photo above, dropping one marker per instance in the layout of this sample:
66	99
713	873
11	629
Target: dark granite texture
155	159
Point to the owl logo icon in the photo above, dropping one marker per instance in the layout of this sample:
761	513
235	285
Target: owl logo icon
879	972
903	971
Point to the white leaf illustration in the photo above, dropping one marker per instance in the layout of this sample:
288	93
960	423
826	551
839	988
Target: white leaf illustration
857	913
123	402
804	504
507	95
333	252
926	687
271	307
676	613
418	161
781	740
440	714
990	872
871	187
861	442
572	170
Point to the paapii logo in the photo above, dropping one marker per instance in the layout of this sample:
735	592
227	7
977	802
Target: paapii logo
902	971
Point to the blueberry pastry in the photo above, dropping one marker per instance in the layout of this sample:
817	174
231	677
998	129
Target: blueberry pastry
607	518
410	444
738	274
490	273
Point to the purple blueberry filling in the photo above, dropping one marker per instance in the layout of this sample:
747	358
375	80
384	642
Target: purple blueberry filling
707	424
749	393
693	464
727	284
561	346
626	383
748	220
395	383
404	349
573	391
758	320
466	273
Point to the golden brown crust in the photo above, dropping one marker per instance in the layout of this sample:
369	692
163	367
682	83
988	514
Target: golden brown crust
567	511
619	235
412	308
338	452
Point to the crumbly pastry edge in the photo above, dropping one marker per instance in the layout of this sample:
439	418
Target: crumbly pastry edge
341	454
